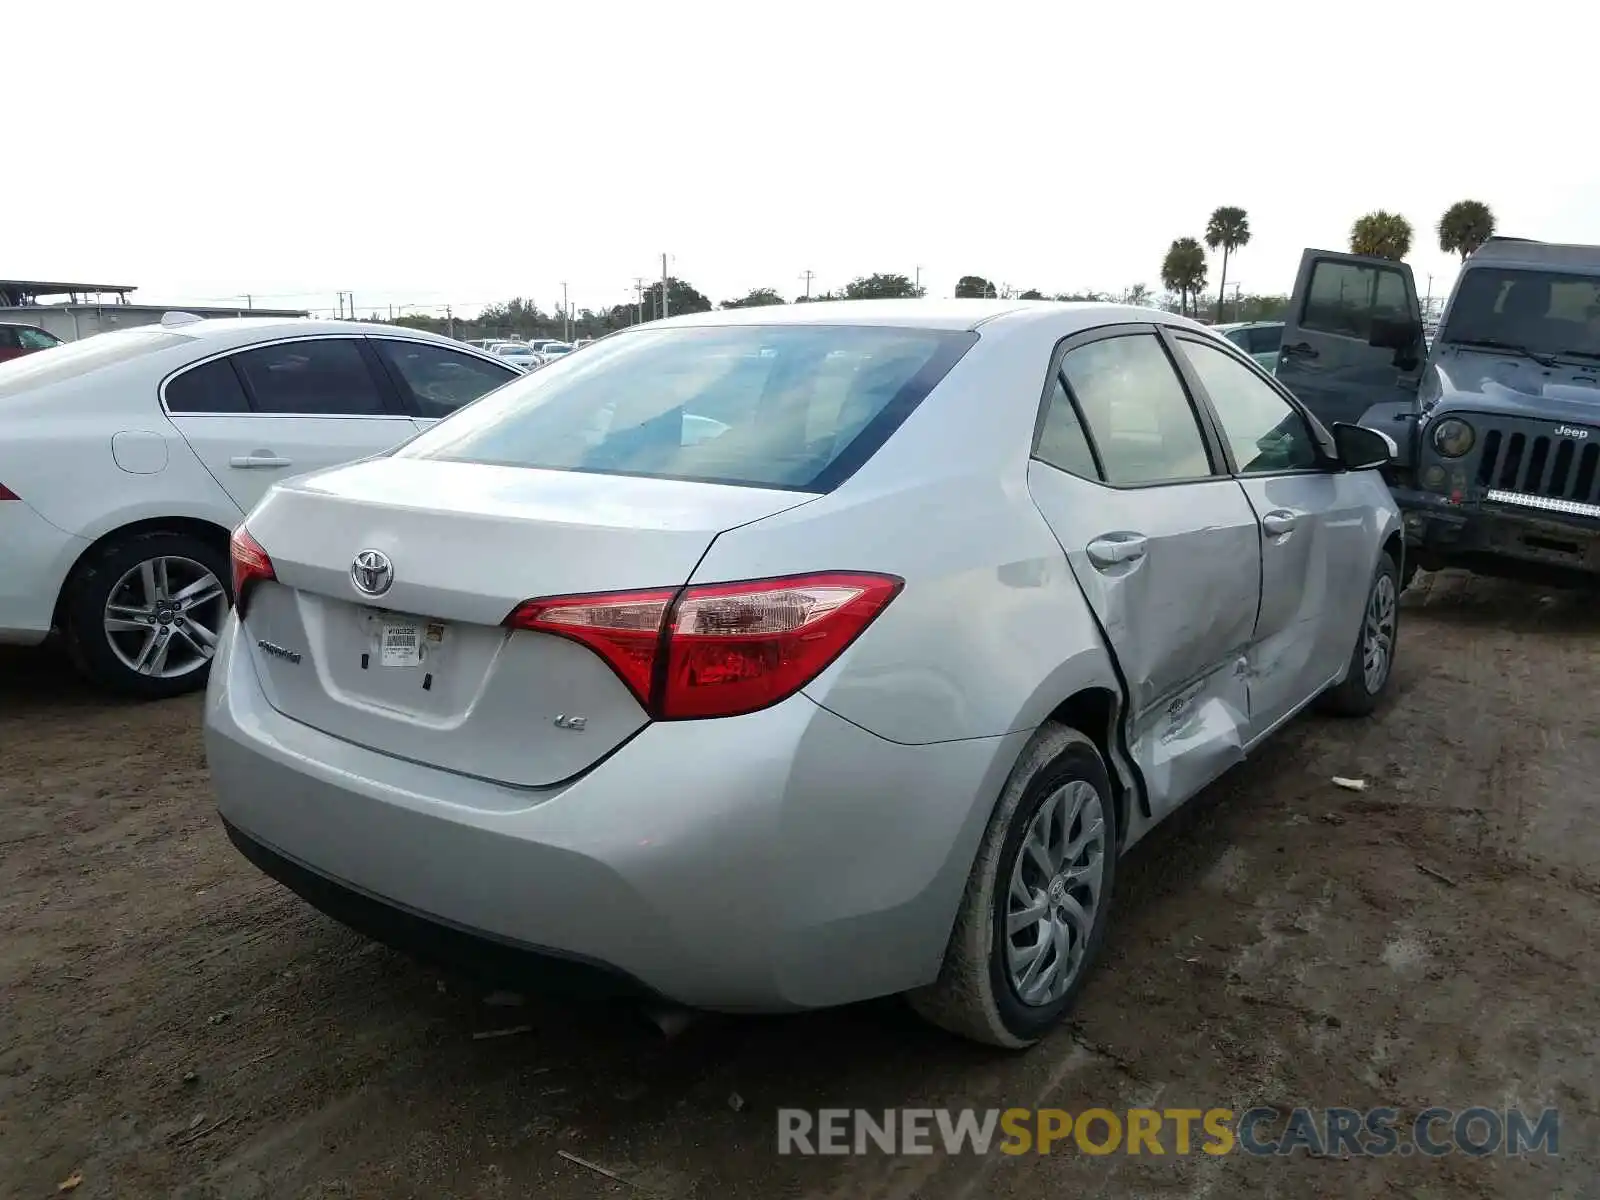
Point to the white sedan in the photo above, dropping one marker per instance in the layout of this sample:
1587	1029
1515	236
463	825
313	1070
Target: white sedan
129	457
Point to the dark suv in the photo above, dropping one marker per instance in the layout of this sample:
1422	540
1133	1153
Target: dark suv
17	340
1497	423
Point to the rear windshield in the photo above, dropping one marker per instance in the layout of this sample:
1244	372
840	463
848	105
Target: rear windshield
1544	311
795	407
72	359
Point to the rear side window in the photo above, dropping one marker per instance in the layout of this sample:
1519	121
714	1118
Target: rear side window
440	380
1137	410
1062	442
211	387
797	407
1345	298
9	339
311	378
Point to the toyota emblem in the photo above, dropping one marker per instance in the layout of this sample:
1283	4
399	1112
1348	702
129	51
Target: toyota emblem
372	572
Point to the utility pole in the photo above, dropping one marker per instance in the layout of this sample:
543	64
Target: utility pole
451	317
808	276
638	299
566	315
249	300
663	287
918	282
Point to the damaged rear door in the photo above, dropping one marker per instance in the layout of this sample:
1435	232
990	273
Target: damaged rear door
1163	545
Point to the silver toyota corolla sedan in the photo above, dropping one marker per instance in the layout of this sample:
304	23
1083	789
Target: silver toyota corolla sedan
778	658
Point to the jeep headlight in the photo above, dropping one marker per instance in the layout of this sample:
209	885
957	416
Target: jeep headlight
1452	437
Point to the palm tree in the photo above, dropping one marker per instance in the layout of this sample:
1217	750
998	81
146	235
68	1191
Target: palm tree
1228	229
1382	235
1466	225
1183	270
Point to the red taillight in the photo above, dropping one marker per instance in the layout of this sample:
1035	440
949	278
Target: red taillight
7	494
250	565
718	650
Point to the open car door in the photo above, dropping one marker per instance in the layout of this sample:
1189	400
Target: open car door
1352	338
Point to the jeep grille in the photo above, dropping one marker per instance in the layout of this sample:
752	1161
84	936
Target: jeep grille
1542	466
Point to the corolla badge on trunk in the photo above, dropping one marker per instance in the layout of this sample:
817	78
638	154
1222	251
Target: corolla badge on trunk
372	573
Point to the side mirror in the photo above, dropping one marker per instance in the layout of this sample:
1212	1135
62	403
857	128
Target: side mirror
1363	449
1394	334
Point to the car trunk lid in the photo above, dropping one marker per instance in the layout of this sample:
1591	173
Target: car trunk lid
426	670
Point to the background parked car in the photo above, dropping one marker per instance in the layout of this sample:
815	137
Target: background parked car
128	458
1261	340
17	340
519	354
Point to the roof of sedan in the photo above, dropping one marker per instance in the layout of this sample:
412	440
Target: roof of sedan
268	326
917	314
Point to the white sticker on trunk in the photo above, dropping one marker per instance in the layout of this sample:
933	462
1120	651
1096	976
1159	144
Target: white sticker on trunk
401	646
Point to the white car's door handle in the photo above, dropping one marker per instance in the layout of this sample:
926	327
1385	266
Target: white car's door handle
1110	549
1280	521
249	462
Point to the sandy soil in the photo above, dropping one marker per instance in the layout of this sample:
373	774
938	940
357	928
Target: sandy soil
172	1023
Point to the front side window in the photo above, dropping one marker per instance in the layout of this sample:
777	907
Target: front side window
1543	311
1344	298
1137	411
311	378
1263	430
789	407
441	380
37	339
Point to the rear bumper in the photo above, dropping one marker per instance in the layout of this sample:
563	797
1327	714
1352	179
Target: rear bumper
785	859
35	557
1481	534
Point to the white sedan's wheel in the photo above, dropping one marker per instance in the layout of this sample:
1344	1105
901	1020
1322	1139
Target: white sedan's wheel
143	615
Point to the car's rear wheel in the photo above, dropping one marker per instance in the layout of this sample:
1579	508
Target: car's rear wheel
1371	667
1035	909
144	613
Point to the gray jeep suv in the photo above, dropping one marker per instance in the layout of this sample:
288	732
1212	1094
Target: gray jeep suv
1497	422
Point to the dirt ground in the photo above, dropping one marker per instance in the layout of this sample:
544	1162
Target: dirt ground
172	1023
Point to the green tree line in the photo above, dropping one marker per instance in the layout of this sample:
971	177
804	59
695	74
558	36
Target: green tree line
1462	228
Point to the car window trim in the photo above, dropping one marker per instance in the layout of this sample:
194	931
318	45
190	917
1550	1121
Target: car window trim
1328	460
402	386
1214	447
394	410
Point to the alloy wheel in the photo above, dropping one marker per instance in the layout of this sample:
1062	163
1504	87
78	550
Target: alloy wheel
163	617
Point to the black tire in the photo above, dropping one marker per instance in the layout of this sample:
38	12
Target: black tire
974	995
1356	697
90	589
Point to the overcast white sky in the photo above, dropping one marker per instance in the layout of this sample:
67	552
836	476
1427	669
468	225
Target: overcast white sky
467	152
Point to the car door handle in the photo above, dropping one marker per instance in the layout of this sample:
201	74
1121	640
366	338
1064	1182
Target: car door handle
1303	349
1111	549
1280	521
257	462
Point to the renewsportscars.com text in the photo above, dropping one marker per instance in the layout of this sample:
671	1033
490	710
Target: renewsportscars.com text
1373	1132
